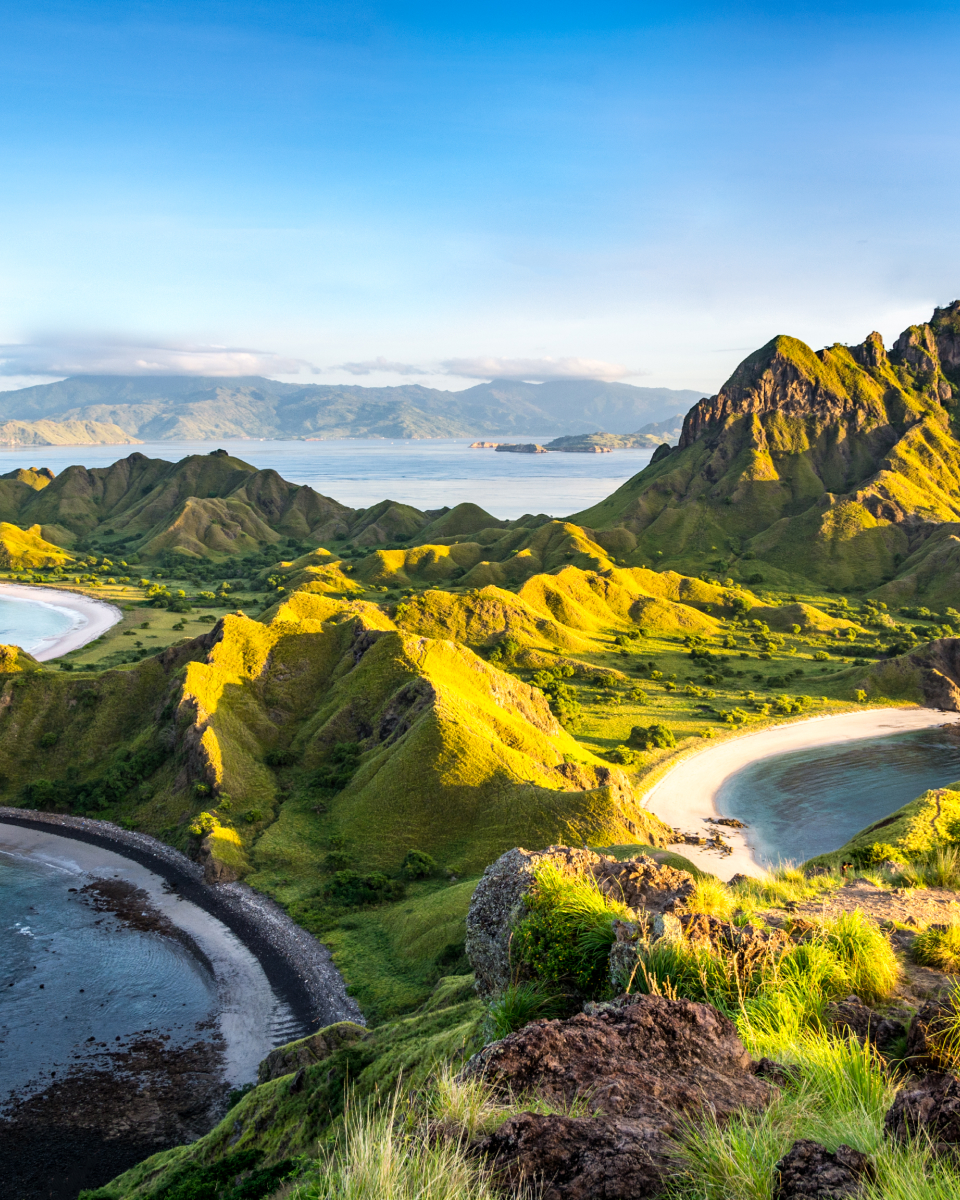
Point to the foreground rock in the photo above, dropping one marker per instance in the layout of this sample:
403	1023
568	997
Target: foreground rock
810	1172
928	1110
931	1041
856	1019
498	902
642	1066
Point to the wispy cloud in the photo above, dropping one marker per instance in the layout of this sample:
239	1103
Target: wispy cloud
537	369
372	365
92	355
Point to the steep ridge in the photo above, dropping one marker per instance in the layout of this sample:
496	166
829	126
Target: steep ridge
833	466
448	754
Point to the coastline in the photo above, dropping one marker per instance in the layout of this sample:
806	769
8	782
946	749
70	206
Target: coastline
685	796
298	967
91	617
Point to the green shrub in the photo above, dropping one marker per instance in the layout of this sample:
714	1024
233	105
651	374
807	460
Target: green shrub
417	865
566	938
519	1004
353	888
652	737
939	948
202	824
340	766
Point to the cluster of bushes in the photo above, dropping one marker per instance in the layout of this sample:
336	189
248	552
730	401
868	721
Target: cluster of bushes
340	767
126	770
652	737
563	703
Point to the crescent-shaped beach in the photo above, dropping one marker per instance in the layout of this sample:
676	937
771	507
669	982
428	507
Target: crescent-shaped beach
90	617
685	796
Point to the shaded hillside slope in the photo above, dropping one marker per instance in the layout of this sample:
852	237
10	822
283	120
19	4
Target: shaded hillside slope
834	466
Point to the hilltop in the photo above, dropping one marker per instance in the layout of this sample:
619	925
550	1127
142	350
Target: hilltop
839	466
192	407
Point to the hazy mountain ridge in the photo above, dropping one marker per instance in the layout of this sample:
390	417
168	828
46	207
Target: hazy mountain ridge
186	407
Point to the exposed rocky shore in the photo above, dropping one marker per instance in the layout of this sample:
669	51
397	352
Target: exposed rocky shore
298	967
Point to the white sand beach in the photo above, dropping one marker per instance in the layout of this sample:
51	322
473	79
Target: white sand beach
90	617
685	796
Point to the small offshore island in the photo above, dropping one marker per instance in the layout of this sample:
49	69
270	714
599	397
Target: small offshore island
480	761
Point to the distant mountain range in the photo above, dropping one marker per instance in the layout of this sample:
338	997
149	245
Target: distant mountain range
182	407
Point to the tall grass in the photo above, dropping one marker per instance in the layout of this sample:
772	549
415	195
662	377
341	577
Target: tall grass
939	867
712	897
787	991
939	948
381	1155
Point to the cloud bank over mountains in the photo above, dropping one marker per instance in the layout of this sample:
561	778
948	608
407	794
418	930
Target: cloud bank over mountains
58	356
61	356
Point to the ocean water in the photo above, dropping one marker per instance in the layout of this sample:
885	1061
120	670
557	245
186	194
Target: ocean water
69	973
32	624
811	801
426	474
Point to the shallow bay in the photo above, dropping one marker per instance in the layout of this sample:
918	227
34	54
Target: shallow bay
811	801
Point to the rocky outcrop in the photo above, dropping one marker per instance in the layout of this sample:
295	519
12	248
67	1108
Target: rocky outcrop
578	1158
308	1051
928	1110
498	902
925	1037
810	1172
644	1066
853	1018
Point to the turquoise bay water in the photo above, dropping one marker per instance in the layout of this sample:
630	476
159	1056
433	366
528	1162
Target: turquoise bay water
427	474
811	801
69	973
31	624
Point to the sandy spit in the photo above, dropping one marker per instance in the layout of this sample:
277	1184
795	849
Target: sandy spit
90	617
686	796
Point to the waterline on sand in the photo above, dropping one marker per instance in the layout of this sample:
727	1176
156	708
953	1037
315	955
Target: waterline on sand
685	797
88	619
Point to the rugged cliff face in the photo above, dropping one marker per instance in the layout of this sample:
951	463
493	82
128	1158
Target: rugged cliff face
833	465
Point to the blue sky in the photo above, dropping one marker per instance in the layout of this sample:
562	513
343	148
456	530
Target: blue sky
384	193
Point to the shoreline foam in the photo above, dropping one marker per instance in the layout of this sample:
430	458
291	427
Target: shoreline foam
685	796
91	617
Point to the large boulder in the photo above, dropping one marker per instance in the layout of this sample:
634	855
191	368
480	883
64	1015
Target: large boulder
498	902
930	1110
644	1065
810	1172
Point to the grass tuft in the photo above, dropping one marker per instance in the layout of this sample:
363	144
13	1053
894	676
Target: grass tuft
939	948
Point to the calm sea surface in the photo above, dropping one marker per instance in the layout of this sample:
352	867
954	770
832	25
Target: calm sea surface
426	474
811	801
31	624
67	974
